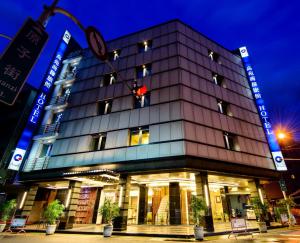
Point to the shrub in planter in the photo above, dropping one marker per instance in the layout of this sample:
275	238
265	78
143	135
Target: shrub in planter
6	211
198	207
261	212
284	206
52	213
109	210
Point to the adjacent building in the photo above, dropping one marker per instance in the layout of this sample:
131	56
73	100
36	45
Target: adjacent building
196	131
13	120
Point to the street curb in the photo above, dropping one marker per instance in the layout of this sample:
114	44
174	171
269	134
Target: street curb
188	236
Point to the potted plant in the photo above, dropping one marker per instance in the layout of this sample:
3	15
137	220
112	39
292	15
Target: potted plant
198	208
284	207
109	210
6	211
53	211
261	212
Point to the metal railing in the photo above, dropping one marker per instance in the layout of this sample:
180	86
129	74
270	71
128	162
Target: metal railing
49	129
59	100
37	163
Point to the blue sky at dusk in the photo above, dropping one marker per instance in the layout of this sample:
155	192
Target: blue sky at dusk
269	28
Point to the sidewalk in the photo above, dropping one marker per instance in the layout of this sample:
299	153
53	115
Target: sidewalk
180	231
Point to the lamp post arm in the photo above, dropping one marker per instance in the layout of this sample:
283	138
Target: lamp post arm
6	37
69	15
47	13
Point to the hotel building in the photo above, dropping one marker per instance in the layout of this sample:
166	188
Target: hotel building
196	131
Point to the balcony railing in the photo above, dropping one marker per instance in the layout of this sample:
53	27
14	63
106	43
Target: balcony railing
69	75
59	100
37	163
49	129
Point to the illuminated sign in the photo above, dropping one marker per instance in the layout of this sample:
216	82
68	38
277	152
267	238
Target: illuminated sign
19	58
260	104
39	104
17	159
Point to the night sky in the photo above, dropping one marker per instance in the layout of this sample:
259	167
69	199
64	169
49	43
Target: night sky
269	28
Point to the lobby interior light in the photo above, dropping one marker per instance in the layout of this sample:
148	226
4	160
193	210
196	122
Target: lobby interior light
206	195
261	196
23	199
150	192
120	196
68	198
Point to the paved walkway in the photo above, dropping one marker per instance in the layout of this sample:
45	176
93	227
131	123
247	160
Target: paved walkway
152	229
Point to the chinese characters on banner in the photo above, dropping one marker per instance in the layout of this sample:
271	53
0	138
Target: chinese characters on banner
260	104
19	58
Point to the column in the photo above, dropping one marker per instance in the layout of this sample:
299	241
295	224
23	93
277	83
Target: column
202	190
143	203
123	193
174	207
71	202
101	202
29	201
253	188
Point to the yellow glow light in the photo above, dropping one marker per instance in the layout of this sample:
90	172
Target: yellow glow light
281	135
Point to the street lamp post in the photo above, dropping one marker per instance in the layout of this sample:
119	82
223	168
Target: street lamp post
284	136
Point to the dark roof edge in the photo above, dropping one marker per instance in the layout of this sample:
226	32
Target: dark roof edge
170	21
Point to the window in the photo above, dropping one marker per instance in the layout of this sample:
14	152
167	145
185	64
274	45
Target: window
143	101
218	79
108	79
57	117
114	55
223	108
230	141
70	71
139	136
98	142
104	107
144	46
213	56
143	71
46	150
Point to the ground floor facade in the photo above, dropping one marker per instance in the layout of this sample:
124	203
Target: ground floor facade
156	198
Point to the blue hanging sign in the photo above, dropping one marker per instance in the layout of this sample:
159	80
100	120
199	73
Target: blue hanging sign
261	108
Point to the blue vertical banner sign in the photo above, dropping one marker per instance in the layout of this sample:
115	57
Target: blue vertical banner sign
264	116
39	105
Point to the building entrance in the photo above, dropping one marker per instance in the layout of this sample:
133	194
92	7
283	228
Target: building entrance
230	197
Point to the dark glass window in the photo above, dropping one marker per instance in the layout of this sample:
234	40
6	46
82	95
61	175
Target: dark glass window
114	55
70	71
143	101
144	46
213	56
46	150
57	117
230	141
218	80
98	142
108	79
143	71
104	107
223	107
